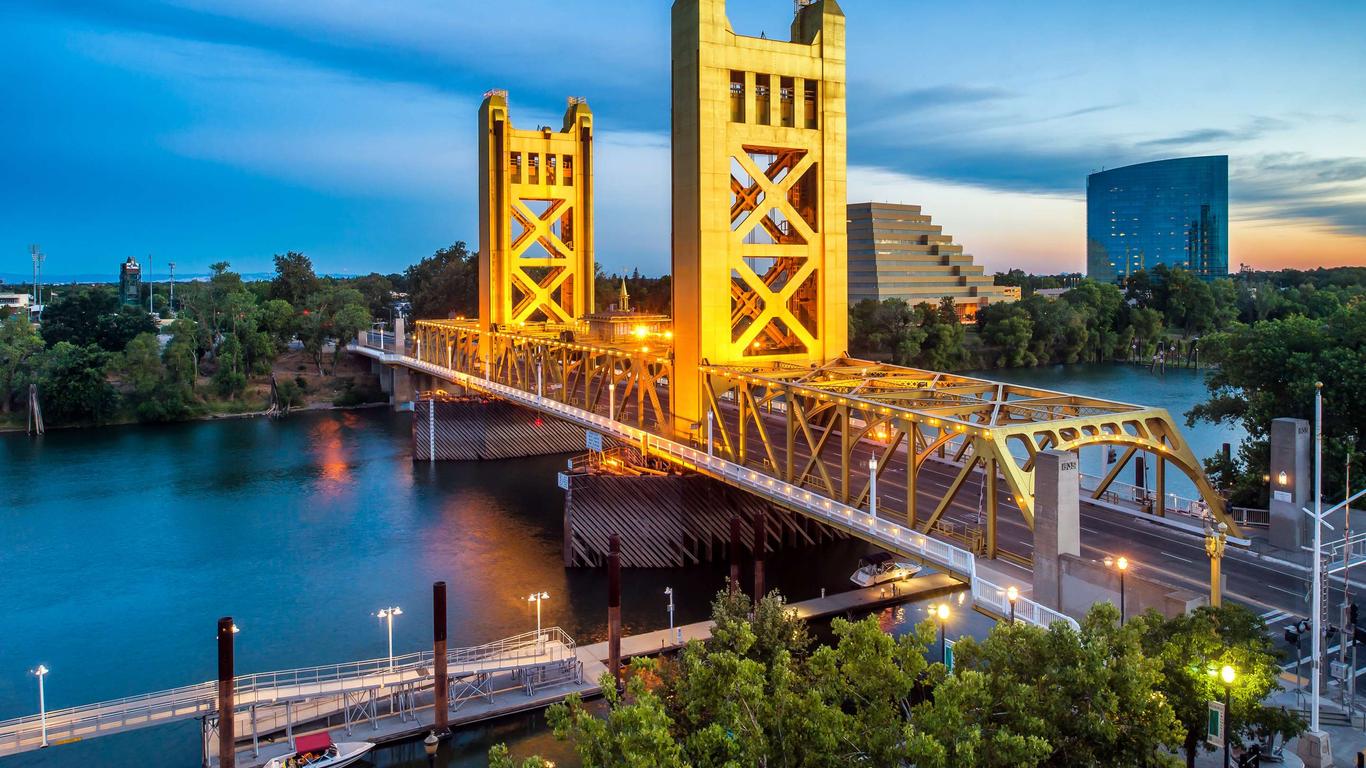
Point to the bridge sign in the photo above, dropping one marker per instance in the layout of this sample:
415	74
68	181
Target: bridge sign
562	480
1214	725
592	440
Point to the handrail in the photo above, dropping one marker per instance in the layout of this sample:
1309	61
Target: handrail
890	535
552	645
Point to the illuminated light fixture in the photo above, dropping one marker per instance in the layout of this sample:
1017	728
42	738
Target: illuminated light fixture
1283	478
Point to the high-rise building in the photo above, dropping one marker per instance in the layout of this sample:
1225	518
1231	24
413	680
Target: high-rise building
897	252
1172	212
130	282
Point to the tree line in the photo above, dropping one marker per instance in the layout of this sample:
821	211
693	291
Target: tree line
760	692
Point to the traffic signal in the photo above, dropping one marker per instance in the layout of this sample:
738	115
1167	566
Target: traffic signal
1352	614
1292	634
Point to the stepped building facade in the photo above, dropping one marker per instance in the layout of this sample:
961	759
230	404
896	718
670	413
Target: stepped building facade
897	252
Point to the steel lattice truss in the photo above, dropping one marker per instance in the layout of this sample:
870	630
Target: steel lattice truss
817	427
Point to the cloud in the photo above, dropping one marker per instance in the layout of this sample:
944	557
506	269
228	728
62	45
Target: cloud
1330	191
1254	129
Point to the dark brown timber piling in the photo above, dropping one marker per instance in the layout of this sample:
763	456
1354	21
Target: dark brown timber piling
735	547
441	691
227	739
760	544
614	608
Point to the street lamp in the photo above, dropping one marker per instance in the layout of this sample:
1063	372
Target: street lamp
388	614
1215	541
1227	674
429	745
1012	594
41	672
537	597
941	612
612	400
1121	565
670	592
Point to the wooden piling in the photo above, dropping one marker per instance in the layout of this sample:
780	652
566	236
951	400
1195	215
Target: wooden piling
441	689
227	738
735	546
614	608
760	544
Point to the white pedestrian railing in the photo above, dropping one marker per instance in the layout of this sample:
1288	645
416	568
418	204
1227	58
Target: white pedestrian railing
552	645
889	535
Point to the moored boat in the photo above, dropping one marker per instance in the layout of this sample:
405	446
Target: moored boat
318	751
880	568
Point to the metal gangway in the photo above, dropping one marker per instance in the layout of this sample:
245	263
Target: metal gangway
988	597
269	702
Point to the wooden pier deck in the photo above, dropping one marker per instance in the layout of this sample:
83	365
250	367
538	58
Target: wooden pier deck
511	698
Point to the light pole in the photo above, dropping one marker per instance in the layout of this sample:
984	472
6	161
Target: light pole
872	490
941	612
388	614
1317	597
1227	674
612	400
670	592
710	426
1121	565
1215	541
537	597
41	672
1012	594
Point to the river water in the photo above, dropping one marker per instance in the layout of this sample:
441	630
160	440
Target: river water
120	548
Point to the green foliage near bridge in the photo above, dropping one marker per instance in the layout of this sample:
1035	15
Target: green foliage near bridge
760	694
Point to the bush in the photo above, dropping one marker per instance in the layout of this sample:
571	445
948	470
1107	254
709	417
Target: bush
353	394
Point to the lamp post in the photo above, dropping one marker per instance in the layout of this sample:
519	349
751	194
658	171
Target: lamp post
41	672
1215	541
612	400
1121	565
1316	597
537	597
387	615
711	419
1012	594
941	612
670	592
872	490
429	745
1227	674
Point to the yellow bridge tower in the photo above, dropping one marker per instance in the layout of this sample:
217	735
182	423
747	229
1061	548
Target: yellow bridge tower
535	217
758	195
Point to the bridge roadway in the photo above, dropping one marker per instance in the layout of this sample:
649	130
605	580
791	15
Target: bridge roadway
263	699
1153	545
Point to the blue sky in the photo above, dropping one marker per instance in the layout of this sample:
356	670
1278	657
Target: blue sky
198	131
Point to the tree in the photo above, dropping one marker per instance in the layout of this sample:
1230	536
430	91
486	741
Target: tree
294	278
1008	328
445	284
74	388
1191	647
21	351
92	315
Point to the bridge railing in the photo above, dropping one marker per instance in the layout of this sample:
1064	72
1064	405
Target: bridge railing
890	535
550	646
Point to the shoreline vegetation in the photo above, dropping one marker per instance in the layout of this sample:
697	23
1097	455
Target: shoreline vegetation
1265	338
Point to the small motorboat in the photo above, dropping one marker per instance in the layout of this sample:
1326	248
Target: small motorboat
879	568
317	751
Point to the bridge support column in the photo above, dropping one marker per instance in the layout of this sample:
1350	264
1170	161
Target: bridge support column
1057	525
227	738
614	608
1289	460
441	684
403	393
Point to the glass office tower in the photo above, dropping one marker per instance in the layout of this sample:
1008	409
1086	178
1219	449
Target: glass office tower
1172	212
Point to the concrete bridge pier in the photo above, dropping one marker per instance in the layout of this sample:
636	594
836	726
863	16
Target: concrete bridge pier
1291	483
1057	523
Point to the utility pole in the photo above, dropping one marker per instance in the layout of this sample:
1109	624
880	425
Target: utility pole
170	303
151	286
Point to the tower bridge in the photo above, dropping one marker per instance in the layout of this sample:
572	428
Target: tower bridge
752	369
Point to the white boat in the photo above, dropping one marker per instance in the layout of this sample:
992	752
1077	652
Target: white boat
880	568
317	751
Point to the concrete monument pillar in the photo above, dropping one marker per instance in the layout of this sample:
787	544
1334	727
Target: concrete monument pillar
1057	527
1291	484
